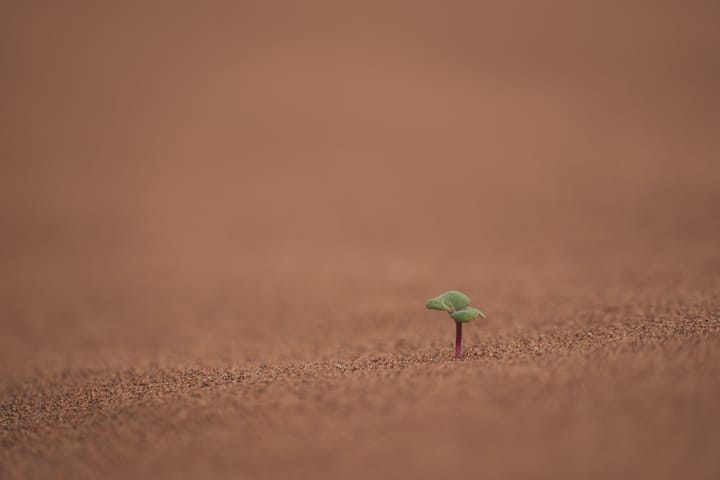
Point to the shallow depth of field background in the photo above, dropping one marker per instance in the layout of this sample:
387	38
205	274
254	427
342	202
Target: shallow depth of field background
219	223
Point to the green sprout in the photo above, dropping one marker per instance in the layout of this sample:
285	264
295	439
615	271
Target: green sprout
456	304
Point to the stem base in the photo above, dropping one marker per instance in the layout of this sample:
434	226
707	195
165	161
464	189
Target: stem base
458	340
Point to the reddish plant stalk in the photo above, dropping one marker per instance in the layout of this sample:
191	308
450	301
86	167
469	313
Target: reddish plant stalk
458	339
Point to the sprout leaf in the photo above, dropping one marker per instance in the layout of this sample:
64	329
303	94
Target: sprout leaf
449	301
466	315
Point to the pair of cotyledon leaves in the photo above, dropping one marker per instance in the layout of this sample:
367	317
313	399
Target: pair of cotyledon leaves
456	304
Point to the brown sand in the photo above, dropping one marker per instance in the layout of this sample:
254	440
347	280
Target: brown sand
219	227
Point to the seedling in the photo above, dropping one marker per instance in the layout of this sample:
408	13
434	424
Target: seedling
456	304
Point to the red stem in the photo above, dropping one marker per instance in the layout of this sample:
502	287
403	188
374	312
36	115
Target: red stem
458	339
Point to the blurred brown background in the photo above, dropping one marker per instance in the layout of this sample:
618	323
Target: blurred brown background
197	192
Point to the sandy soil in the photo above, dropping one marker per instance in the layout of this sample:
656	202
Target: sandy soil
218	228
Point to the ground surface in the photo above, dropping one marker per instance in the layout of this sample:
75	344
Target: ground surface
219	228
